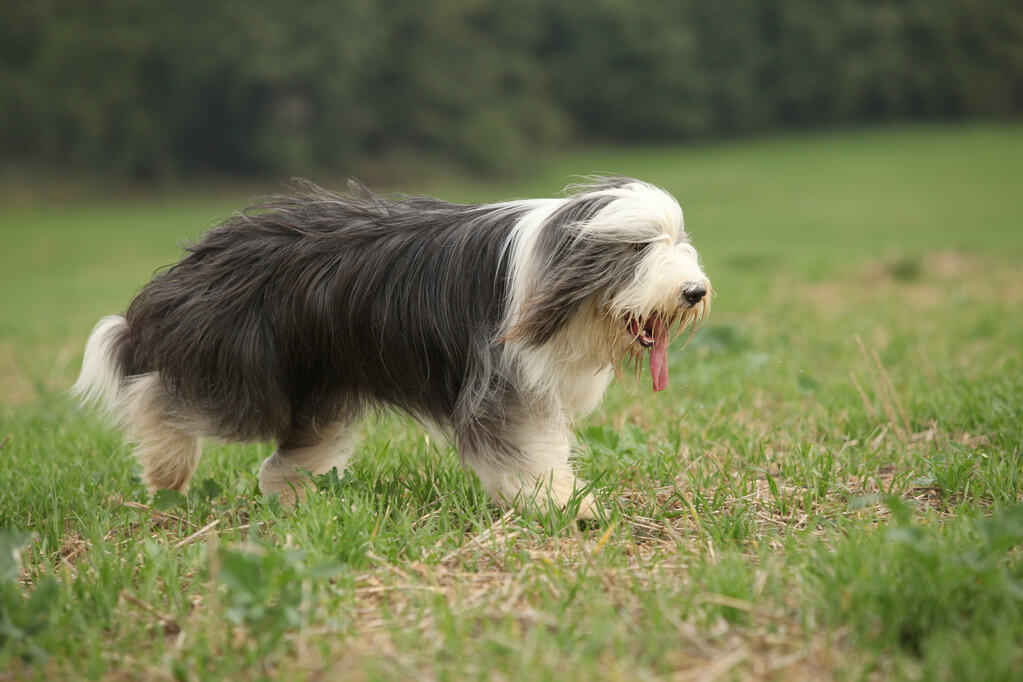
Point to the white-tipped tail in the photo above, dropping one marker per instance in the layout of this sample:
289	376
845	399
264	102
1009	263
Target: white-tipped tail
101	378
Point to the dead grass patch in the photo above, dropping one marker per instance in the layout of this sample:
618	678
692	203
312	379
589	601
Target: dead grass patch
927	282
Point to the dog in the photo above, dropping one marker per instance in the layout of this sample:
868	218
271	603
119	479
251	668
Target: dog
496	324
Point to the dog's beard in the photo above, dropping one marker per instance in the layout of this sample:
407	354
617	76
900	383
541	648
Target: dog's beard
655	334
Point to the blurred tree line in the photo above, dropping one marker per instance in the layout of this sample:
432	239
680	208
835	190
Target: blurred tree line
152	89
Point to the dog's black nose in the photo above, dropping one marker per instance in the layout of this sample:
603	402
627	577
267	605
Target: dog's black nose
693	292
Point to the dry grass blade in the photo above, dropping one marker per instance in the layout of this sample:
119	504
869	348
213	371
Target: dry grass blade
892	393
884	391
863	396
603	539
479	541
169	625
725	600
197	534
156	512
714	670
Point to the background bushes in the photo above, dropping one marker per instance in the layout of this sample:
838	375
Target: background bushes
246	87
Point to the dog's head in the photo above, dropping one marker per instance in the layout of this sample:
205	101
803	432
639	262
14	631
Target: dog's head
608	273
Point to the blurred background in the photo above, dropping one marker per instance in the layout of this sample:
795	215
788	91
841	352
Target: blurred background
832	152
156	91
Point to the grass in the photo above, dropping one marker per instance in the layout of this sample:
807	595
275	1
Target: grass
830	488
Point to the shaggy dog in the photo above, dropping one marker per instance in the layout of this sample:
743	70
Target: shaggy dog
496	323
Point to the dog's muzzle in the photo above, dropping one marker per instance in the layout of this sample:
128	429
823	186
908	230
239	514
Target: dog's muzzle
654	332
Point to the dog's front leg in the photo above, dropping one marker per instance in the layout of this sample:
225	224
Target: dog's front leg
308	451
525	463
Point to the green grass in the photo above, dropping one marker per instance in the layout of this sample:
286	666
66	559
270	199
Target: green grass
831	486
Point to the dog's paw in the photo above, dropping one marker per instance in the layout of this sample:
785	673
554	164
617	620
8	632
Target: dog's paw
588	509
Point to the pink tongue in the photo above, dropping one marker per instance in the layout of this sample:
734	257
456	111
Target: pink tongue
659	354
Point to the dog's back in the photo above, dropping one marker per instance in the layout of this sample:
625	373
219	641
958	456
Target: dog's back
307	307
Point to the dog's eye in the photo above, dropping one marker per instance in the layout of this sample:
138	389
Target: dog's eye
639	246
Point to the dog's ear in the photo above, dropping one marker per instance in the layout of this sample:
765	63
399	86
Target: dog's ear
570	265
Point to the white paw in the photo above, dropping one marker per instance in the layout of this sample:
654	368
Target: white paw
588	509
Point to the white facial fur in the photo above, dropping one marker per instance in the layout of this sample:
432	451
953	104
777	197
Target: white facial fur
577	364
644	213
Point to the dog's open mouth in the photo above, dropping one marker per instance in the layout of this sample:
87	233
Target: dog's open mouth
644	336
653	333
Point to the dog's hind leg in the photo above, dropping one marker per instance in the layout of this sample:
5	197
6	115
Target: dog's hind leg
310	451
527	465
166	446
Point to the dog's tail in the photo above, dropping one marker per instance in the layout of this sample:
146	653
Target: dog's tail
101	380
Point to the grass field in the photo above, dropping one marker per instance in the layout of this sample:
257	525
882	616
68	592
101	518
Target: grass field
831	486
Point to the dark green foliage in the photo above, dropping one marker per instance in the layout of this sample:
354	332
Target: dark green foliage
925	589
160	89
263	589
21	618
